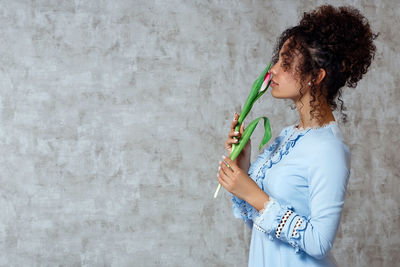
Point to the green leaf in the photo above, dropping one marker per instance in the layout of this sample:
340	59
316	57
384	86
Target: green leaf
246	136
253	97
267	134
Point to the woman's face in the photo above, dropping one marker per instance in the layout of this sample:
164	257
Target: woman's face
284	83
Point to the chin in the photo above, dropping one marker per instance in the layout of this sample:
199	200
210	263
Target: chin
279	96
275	95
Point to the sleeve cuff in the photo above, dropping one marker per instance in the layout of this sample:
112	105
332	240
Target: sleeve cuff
270	218
242	209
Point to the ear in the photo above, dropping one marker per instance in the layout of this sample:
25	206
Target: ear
321	76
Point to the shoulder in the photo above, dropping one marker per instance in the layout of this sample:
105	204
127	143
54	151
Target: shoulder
327	146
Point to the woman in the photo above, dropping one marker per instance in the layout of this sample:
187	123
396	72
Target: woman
292	195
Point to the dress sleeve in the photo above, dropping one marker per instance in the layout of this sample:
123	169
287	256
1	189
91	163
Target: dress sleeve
327	181
240	208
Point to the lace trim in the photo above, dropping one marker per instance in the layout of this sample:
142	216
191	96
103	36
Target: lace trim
259	228
297	225
282	223
242	209
277	212
300	226
274	153
265	154
278	154
267	205
295	126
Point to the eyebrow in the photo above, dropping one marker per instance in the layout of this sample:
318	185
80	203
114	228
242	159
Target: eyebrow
284	53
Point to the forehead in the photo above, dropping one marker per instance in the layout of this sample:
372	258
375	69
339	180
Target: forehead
285	47
292	52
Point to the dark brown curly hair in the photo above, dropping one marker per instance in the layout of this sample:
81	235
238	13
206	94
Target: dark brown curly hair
338	40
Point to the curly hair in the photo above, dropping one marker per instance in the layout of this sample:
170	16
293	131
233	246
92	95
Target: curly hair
338	40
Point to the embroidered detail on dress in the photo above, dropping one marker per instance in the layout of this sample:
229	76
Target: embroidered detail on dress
297	225
243	209
264	156
272	214
278	153
282	223
275	152
257	171
259	228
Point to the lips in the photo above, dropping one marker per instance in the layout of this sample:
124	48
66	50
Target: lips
273	82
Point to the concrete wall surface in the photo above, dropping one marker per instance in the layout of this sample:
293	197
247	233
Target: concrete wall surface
113	116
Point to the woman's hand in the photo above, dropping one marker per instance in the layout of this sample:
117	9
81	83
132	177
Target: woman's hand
243	159
235	180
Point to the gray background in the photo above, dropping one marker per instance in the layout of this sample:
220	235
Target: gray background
113	117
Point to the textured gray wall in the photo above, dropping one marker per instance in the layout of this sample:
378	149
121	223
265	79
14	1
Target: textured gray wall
113	117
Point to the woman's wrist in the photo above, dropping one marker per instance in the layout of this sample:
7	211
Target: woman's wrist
257	198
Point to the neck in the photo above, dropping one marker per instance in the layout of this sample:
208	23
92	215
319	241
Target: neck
322	114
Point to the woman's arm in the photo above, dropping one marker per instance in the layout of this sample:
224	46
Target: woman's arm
241	208
258	199
327	181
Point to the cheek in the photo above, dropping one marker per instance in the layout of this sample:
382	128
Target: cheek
288	82
292	83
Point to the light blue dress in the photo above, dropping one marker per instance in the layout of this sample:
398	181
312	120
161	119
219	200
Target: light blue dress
305	173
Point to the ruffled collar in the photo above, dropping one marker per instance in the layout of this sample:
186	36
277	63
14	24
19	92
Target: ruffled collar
282	146
296	128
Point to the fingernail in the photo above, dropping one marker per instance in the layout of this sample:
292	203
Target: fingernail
223	157
236	132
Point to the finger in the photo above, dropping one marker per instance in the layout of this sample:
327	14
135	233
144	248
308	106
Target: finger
228	143
224	176
228	161
234	121
232	133
222	181
242	128
225	168
233	140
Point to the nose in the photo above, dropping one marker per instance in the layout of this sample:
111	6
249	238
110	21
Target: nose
273	70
